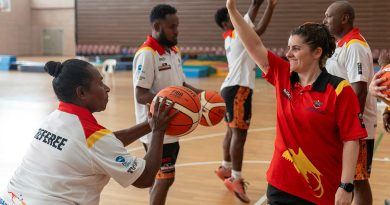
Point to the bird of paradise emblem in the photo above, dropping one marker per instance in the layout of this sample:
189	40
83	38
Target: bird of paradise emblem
304	167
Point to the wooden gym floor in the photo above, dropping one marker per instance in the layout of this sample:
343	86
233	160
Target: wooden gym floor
26	98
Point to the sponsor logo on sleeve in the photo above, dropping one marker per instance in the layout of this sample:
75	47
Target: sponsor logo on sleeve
360	68
2	202
15	198
122	160
133	167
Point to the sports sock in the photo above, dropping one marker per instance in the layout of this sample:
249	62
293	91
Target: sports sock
226	164
236	174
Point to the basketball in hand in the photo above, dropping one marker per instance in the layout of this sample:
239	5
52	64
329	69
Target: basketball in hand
188	105
387	82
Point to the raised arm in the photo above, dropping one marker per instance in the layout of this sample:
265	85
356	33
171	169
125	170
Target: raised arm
249	38
263	23
254	9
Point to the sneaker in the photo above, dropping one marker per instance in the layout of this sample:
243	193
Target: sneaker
387	202
223	173
238	186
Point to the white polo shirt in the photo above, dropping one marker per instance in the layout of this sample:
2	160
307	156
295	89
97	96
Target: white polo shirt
155	69
242	69
70	160
352	60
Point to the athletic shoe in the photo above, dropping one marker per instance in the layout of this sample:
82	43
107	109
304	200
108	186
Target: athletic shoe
223	173
387	201
238	186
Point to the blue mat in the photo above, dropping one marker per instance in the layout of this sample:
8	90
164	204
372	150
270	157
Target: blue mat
25	66
6	61
196	71
203	70
124	65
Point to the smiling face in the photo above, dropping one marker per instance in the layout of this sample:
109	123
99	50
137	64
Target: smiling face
299	54
95	97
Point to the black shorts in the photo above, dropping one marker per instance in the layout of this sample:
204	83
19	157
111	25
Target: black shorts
276	196
238	100
167	167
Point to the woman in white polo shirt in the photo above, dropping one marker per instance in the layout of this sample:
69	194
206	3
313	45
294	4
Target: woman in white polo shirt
72	157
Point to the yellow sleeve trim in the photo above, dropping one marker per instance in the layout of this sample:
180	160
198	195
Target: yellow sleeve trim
388	108
341	86
146	49
96	136
363	43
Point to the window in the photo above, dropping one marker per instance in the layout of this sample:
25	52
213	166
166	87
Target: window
5	5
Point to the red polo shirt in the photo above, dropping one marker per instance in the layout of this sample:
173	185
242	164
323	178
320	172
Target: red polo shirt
312	123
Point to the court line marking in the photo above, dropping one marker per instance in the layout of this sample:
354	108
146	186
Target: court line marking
208	136
219	162
261	200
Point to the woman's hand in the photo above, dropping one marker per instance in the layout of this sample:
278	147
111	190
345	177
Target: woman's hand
159	120
375	89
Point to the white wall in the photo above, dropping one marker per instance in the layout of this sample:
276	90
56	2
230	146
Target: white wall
15	29
21	29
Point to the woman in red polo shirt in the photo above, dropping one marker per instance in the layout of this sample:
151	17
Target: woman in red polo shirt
318	118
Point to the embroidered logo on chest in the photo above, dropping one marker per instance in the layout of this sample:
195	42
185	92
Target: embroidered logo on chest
317	107
164	66
317	104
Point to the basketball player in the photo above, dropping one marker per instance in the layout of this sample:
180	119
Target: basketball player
237	92
72	157
313	108
157	65
352	60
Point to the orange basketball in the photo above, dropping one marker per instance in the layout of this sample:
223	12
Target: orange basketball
187	102
387	82
213	108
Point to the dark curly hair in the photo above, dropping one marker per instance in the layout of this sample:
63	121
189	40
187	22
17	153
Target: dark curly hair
221	16
160	11
317	35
